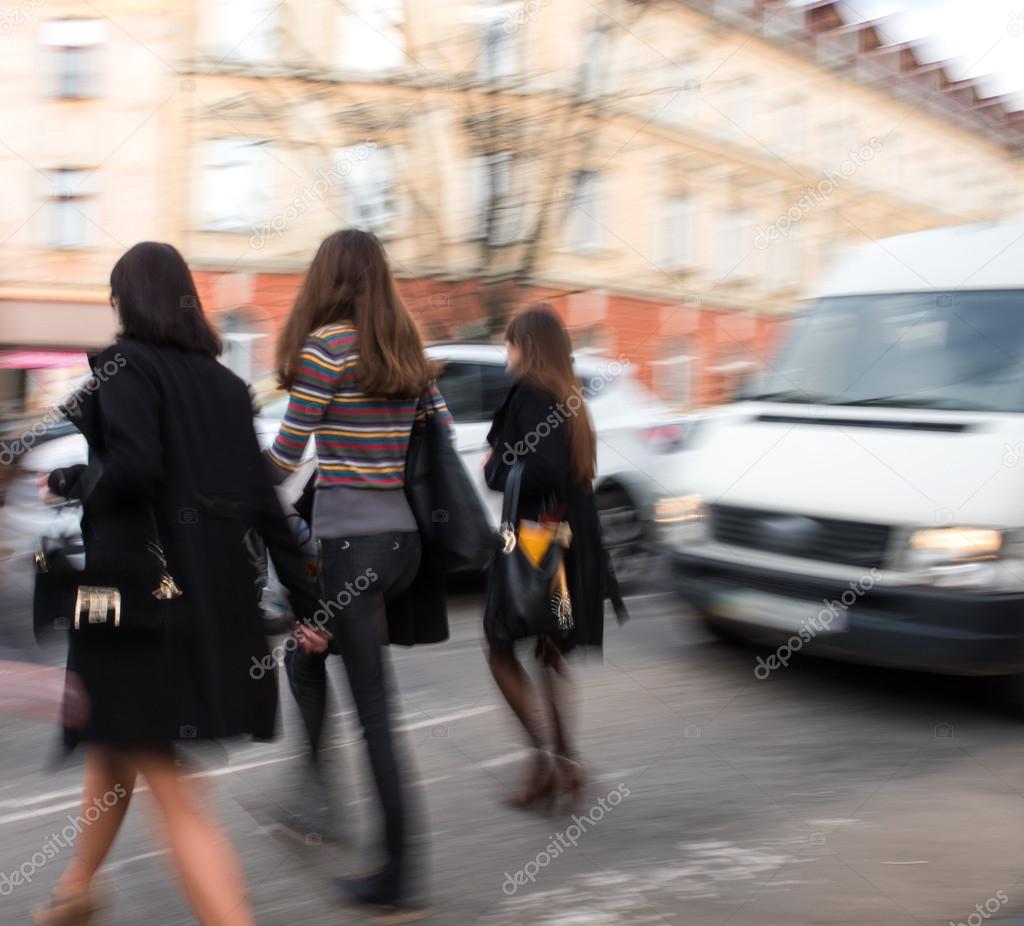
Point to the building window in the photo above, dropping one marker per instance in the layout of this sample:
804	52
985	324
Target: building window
499	53
594	77
69	212
371	202
737	110
585	211
735	238
790	128
680	94
74	57
235	185
675	233
494	207
372	36
244	31
785	260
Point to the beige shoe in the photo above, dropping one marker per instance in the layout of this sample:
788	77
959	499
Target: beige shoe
71	910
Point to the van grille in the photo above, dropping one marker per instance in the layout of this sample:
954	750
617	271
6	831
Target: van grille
853	543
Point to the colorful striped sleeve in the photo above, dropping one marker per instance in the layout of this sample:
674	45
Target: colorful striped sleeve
433	403
325	357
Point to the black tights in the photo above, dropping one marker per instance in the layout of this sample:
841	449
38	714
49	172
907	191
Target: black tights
515	684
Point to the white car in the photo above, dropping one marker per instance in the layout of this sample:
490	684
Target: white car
638	457
639	439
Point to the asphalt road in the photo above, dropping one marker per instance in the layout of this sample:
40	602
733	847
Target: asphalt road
824	794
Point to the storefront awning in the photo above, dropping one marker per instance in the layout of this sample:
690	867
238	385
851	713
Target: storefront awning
41	359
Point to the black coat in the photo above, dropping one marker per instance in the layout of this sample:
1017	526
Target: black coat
172	430
531	430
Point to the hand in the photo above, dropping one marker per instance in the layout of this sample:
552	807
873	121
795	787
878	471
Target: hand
44	491
310	639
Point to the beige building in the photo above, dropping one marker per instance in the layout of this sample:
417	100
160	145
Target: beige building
671	175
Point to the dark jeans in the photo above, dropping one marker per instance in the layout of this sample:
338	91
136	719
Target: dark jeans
358	575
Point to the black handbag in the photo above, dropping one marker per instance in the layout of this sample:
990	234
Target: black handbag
453	524
127	590
527	598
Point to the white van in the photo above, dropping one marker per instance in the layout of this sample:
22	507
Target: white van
866	499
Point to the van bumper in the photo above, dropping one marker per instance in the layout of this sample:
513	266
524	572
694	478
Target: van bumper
935	630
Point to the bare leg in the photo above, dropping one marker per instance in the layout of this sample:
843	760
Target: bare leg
109	783
210	871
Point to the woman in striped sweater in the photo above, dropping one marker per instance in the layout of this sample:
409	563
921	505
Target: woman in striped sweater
352	359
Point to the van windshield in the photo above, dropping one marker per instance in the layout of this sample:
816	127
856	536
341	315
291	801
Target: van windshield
955	350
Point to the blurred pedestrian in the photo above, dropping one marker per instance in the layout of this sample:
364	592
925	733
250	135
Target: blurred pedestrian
172	450
544	428
352	358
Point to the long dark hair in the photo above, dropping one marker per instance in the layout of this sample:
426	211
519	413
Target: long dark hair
546	363
156	300
350	281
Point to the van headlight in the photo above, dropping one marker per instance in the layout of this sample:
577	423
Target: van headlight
962	542
965	557
681	520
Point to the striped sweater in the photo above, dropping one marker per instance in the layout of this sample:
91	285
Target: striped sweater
361	440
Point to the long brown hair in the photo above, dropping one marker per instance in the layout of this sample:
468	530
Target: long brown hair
351	281
546	363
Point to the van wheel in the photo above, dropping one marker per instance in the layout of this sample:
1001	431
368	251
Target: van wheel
623	533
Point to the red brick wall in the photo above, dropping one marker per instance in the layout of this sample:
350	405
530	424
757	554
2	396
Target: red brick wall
640	330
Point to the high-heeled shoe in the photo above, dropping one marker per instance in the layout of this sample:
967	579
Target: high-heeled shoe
572	779
66	910
541	786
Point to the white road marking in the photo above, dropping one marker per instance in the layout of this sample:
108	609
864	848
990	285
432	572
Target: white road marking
506	759
31	811
113	866
41	812
443	719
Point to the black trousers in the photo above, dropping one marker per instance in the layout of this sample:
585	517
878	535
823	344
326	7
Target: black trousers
358	575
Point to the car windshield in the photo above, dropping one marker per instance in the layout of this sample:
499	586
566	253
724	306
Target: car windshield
955	350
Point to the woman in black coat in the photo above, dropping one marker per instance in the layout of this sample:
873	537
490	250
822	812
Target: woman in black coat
172	451
543	426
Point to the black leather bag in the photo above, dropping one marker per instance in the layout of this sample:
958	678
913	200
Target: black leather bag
453	524
127	591
524	599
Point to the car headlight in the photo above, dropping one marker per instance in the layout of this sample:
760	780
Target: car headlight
964	557
681	520
681	510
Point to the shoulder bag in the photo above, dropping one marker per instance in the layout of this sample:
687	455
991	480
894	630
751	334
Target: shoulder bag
129	590
527	594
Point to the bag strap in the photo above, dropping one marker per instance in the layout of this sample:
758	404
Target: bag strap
154	545
510	503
